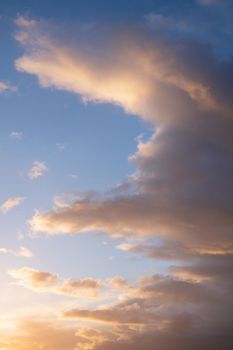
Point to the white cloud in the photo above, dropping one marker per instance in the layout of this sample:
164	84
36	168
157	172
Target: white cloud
61	146
37	170
18	135
73	176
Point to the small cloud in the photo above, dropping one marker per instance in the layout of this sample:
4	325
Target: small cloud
37	170
17	135
4	250
4	87
20	236
25	252
22	252
110	258
34	278
73	176
25	22
125	247
61	146
11	203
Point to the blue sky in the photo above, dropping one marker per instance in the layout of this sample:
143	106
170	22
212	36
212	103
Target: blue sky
116	166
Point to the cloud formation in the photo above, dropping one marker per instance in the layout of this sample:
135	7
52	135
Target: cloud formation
181	193
184	170
168	310
160	309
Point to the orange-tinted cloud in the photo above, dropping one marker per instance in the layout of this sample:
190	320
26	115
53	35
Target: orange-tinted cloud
43	281
52	283
10	203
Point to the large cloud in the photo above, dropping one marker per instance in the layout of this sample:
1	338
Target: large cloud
45	335
157	309
182	190
170	311
183	182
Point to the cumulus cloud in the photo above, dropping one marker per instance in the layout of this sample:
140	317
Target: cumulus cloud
57	335
165	307
10	203
37	170
181	193
156	298
184	170
154	307
34	278
43	281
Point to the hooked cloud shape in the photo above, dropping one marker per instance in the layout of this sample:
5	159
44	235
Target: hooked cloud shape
181	192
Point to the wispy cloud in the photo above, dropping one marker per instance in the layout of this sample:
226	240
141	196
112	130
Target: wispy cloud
73	176
37	170
6	87
10	203
23	252
18	135
61	146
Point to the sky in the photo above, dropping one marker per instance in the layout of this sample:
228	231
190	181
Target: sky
116	201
